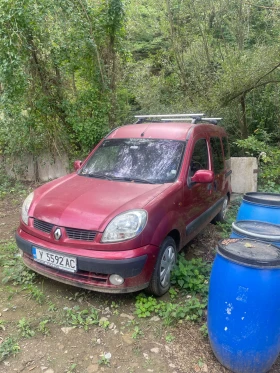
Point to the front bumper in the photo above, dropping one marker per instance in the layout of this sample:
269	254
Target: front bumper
94	267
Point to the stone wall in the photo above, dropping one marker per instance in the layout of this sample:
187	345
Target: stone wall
47	167
43	168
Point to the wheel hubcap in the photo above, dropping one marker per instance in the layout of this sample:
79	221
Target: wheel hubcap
224	210
166	265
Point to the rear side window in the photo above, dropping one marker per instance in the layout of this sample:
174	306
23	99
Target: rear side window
226	148
217	152
199	159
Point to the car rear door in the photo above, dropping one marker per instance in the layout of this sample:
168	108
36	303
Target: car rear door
218	166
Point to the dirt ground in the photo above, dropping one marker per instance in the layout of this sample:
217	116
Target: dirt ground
131	344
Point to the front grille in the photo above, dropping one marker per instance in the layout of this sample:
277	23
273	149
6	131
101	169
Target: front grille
43	226
72	233
80	234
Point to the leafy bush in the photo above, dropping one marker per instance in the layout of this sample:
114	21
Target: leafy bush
189	309
259	145
191	276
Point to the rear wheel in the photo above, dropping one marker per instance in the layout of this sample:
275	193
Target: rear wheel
221	216
160	281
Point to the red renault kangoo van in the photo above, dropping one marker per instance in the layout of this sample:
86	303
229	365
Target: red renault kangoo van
117	223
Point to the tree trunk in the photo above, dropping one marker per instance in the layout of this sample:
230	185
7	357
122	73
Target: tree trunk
243	123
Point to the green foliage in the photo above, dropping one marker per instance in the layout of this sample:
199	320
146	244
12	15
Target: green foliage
35	293
52	307
2	324
59	79
104	360
9	346
25	329
191	276
83	319
145	306
9	186
190	309
66	80
42	328
72	368
16	272
169	338
259	145
137	332
14	269
104	324
204	330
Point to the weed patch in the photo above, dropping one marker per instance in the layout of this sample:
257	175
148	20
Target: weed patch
25	329
190	309
42	328
191	276
14	269
83	319
8	347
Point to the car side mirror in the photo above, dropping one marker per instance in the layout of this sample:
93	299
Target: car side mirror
203	176
77	165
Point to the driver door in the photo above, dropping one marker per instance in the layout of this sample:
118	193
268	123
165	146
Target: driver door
197	196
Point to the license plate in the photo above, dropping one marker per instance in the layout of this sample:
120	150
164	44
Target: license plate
59	261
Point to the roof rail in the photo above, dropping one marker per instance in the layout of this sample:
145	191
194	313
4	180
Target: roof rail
194	120
168	115
177	117
141	118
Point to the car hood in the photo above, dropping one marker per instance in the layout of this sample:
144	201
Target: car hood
87	203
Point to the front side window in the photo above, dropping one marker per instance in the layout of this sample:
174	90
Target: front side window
199	160
226	148
217	152
139	160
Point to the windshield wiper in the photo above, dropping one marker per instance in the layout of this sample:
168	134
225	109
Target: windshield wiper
135	179
97	175
124	178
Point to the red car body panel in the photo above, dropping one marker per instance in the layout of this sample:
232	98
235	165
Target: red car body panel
93	201
179	209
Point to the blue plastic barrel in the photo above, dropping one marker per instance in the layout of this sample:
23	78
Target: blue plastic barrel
244	305
257	230
261	207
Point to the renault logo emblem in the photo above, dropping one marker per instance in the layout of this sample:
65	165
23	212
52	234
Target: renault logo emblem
57	233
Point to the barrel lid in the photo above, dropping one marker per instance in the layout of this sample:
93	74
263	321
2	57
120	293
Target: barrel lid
271	199
250	252
258	230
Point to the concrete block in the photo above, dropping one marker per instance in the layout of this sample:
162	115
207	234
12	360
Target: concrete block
50	168
244	176
20	168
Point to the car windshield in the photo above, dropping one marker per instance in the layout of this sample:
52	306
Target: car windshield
138	160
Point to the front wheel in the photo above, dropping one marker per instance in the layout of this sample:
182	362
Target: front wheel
160	281
221	216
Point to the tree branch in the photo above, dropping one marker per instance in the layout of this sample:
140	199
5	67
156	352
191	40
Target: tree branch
93	39
244	92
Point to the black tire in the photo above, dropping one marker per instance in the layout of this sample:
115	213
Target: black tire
160	281
221	216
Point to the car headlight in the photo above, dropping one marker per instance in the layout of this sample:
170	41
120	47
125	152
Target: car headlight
125	226
25	208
